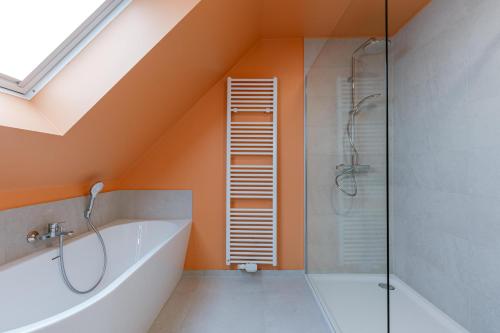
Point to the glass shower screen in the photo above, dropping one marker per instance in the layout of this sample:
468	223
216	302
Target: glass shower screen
346	163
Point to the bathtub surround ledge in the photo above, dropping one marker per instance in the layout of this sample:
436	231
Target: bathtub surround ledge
123	204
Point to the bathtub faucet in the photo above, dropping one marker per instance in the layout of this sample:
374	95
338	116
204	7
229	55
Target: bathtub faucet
54	230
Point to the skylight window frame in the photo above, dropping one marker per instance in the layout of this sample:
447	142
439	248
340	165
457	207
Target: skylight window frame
67	50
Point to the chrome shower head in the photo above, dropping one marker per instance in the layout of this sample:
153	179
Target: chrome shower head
372	46
94	191
375	46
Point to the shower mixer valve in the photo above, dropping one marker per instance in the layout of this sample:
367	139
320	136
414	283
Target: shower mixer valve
54	230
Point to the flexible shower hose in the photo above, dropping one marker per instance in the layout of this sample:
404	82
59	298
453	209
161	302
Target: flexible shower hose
348	172
351	172
63	269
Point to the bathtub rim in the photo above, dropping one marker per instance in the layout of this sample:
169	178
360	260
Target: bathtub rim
113	285
52	244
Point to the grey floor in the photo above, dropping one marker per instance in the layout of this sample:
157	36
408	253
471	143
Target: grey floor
237	302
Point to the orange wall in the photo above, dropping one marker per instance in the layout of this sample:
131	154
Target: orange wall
191	155
38	167
156	92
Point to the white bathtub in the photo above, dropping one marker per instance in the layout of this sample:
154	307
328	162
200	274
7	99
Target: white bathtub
145	262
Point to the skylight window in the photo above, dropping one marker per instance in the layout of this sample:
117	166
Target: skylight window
37	37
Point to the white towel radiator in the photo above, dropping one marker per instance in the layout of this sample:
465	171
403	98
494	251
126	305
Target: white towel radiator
251	165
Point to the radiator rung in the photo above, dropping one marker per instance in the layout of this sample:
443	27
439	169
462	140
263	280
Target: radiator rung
251	140
250	192
251	257
250	223
252	145
251	251
252	218
251	180
253	245
251	175
251	110
251	132
256	249
250	227
252	93
243	188
250	197
252	170
254	236
253	135
255	232
251	123
250	214
252	128
255	241
255	166
263	176
251	183
261	262
245	82
270	89
251	209
233	170
237	80
239	97
253	153
256	103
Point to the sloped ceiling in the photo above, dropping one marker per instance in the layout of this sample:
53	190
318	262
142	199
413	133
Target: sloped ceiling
134	113
335	18
366	18
186	62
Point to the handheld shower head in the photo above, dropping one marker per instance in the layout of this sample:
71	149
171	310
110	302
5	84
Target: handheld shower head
94	191
96	188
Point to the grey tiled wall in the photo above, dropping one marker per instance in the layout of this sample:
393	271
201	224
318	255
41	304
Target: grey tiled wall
446	159
16	223
154	204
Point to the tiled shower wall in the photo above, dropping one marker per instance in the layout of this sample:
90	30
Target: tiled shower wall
133	204
344	235
446	159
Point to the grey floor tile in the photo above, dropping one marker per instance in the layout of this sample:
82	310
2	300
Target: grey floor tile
242	303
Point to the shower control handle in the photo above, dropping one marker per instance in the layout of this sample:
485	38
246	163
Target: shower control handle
54	230
32	236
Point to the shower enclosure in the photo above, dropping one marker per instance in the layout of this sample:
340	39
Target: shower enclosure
402	160
346	180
